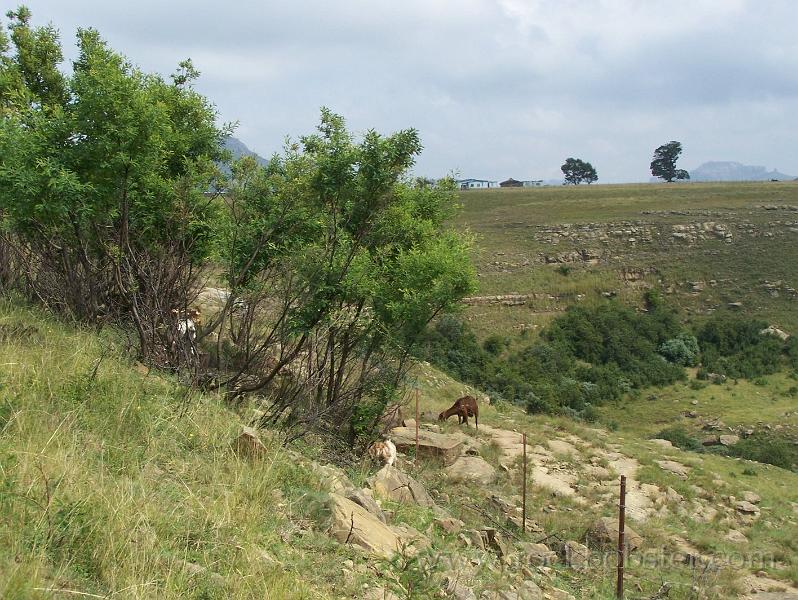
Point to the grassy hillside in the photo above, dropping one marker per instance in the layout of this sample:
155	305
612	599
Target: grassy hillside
706	245
118	483
115	482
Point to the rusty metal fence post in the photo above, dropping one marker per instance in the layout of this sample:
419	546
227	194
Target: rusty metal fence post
417	417
523	491
621	541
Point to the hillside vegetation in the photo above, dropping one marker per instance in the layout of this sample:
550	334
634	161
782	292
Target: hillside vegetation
118	482
703	245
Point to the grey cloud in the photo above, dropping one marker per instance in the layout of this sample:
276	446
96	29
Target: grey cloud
496	88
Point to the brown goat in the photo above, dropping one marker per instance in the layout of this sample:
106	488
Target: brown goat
464	407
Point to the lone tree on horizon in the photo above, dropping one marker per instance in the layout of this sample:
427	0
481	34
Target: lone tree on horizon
576	171
664	163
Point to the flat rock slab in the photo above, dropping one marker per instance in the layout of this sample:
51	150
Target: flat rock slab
353	524
437	445
664	444
509	442
473	469
557	482
389	482
562	447
674	467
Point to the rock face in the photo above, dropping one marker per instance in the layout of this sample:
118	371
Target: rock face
604	534
389	482
729	440
353	524
471	468
431	444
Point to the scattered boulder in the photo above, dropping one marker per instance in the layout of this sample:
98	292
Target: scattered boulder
249	444
494	541
751	497
449	524
379	593
667	445
454	589
537	554
603	534
729	440
471	468
576	555
430	444
775	332
747	508
389	482
353	524
736	537
502	595
332	478
529	590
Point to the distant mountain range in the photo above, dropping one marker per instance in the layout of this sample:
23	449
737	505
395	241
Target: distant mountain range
734	171
238	149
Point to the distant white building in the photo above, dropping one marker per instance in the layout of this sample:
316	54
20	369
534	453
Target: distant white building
468	184
533	183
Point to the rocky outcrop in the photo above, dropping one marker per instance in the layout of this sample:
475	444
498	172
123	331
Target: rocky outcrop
389	482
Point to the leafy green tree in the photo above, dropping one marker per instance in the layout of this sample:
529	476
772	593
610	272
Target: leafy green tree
353	260
577	171
663	164
102	179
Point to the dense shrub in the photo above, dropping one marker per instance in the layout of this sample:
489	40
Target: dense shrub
768	448
587	356
681	350
791	350
733	346
681	438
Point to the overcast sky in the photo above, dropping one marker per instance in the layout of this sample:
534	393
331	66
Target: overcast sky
496	88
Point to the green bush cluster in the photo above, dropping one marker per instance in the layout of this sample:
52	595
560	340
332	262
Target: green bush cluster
735	347
767	448
587	356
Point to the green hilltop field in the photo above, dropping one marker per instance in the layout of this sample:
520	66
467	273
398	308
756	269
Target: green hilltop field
705	245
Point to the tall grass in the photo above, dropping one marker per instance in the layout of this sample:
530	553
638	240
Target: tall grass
117	484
